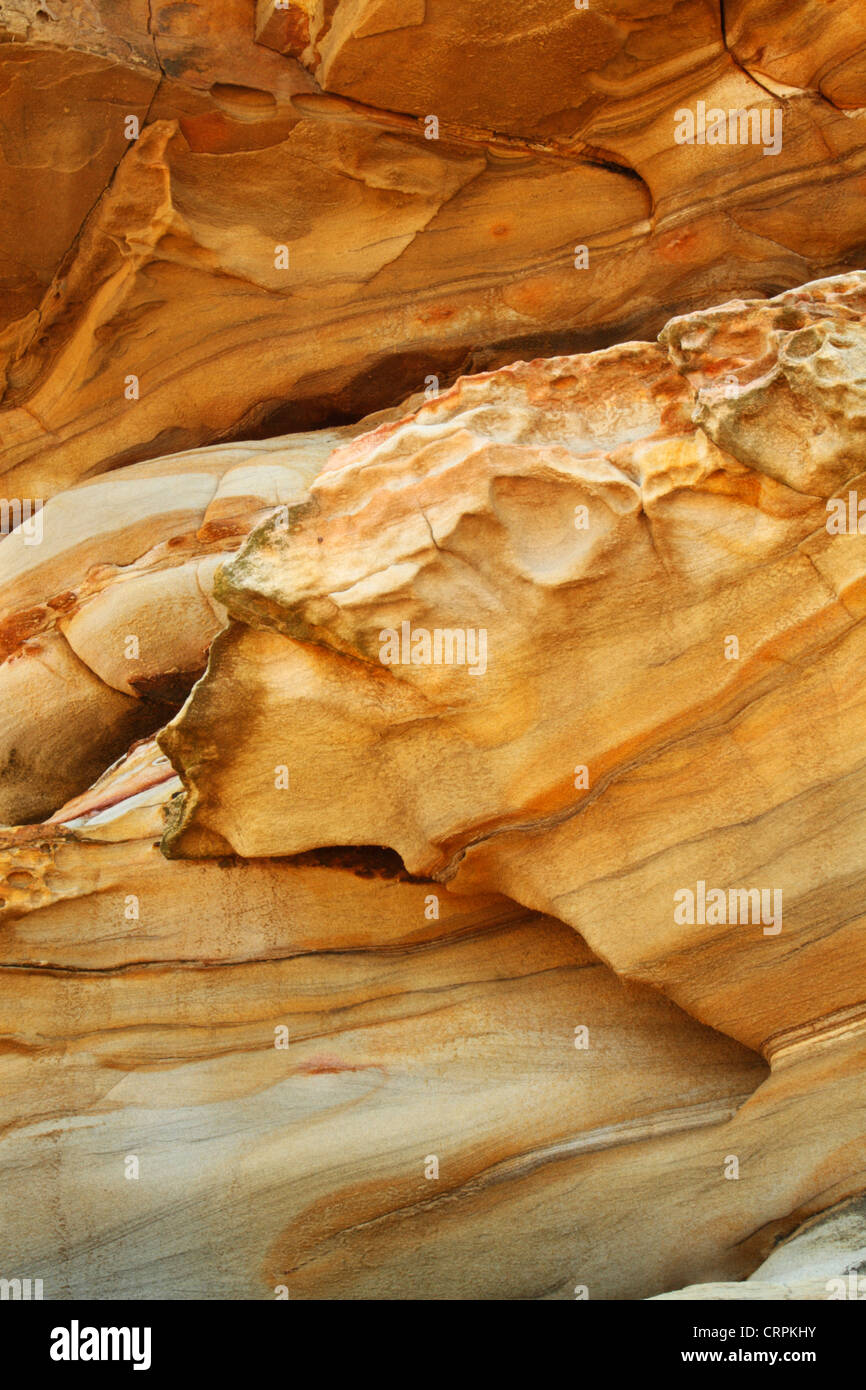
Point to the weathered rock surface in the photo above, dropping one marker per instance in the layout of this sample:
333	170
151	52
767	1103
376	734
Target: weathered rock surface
107	610
285	246
590	515
823	1260
143	1029
408	1037
432	775
679	646
152	1036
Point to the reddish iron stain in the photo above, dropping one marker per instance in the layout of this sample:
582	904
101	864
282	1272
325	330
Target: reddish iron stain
678	246
222	530
438	313
500	229
207	134
358	449
317	1066
19	628
287	33
61	603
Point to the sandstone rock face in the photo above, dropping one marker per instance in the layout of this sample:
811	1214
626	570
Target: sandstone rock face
432	582
327	204
823	1260
663	623
160	1029
107	609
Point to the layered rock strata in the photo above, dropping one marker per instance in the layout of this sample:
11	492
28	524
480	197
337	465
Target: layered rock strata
375	964
222	223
